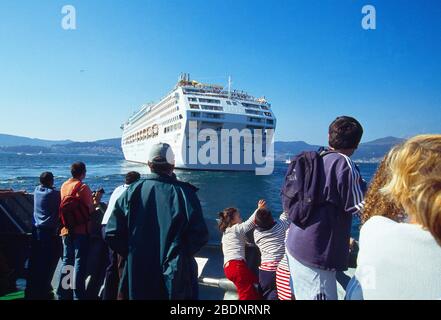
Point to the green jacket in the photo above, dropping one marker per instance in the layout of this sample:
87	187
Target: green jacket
158	225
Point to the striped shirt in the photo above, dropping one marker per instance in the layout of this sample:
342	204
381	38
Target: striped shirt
234	240
271	243
284	262
283	280
283	277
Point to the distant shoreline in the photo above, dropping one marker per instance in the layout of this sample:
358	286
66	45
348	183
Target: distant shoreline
368	152
120	156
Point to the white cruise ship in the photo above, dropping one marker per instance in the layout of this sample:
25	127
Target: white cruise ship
191	107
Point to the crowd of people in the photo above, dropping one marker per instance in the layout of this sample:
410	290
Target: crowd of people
142	244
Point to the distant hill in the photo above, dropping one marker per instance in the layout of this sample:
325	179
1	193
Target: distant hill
286	149
116	142
10	143
108	146
7	140
387	141
375	150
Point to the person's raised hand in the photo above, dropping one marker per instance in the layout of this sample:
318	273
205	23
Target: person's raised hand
261	204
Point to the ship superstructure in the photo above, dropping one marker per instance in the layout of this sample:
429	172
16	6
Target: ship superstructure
191	105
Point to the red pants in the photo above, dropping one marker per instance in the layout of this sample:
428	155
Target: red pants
244	279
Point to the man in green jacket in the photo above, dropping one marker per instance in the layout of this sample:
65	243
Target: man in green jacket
158	225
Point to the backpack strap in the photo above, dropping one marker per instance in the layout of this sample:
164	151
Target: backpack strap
76	189
325	152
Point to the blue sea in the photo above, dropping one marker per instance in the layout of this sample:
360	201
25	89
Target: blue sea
217	190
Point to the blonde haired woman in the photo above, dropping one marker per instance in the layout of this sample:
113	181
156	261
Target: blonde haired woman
378	204
403	260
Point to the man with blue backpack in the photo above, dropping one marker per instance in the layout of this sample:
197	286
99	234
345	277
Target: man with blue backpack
321	193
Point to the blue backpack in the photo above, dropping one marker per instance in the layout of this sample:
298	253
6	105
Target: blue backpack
301	192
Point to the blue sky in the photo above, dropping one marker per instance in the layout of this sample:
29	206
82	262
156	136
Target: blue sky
311	59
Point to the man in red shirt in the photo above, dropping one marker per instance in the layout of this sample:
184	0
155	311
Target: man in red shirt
75	240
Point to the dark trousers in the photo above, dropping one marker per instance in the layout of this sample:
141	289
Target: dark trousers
114	289
97	263
267	283
111	280
112	274
73	271
45	252
195	282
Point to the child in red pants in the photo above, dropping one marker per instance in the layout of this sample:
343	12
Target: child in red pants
233	247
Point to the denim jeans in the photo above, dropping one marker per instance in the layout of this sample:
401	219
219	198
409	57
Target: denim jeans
310	283
75	251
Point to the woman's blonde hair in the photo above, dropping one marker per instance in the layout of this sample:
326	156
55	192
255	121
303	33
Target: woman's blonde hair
376	203
415	182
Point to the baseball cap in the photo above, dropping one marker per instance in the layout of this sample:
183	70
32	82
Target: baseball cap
161	153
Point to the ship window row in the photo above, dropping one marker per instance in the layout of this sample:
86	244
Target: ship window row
187	90
141	135
214	108
207	115
252	105
169	99
257	120
173	110
209	101
193	99
251	111
163	107
205	107
231	102
255	112
214	115
173	127
174	119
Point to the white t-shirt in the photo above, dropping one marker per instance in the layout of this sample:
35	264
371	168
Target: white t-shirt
113	198
396	261
234	239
